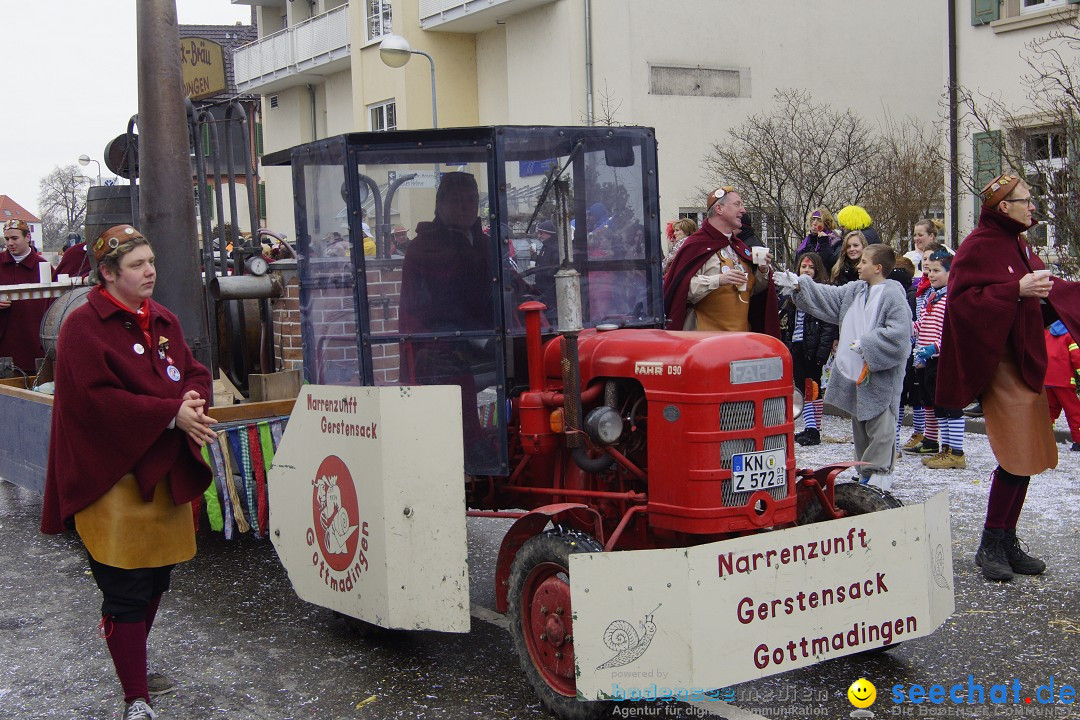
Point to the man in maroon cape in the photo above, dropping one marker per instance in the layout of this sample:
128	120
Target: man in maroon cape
712	284
1000	299
20	320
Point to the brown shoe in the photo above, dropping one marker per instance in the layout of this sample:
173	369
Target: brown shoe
916	439
946	460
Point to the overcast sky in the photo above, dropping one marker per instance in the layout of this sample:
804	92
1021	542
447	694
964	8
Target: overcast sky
70	82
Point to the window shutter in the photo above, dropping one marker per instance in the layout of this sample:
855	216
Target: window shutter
259	139
986	162
986	11
262	201
206	139
210	200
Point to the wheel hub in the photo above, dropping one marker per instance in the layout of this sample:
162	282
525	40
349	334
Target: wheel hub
549	628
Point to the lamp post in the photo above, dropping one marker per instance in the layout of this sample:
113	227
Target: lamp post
85	160
395	51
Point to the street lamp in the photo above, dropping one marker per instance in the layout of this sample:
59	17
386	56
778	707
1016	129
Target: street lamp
85	160
395	51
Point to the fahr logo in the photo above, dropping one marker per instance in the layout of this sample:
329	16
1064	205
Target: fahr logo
336	527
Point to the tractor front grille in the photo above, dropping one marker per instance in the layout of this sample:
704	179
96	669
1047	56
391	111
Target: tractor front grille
774	411
737	415
745	445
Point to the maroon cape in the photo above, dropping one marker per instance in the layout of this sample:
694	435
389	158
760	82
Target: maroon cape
20	324
986	315
692	254
113	406
75	262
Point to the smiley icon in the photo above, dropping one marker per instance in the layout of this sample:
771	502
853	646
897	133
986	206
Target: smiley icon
862	693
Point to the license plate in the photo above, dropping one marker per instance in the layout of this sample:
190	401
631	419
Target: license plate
758	471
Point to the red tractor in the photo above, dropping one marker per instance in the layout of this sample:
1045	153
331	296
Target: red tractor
533	282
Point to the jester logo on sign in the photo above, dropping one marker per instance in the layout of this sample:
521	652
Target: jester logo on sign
336	514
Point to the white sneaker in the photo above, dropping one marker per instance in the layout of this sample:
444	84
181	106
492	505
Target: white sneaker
880	481
139	710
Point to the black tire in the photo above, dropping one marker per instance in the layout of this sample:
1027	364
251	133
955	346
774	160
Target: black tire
540	574
854	499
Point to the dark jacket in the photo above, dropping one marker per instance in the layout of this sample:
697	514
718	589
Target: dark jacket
848	273
905	279
818	336
827	246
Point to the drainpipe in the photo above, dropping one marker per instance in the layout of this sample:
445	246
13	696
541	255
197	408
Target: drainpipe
314	125
954	135
588	63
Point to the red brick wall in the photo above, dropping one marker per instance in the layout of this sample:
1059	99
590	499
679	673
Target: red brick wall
329	307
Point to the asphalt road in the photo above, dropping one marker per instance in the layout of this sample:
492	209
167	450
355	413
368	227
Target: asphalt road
241	645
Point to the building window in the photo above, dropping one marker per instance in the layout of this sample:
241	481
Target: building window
379	20
383	116
1046	165
1027	6
273	101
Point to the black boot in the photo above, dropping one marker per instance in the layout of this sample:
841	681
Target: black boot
809	436
1020	562
991	556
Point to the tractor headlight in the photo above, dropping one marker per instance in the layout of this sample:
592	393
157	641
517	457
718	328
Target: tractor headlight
604	425
796	404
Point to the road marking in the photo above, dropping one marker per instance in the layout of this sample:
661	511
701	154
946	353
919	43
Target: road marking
716	708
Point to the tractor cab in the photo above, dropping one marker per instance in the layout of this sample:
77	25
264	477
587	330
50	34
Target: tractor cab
416	249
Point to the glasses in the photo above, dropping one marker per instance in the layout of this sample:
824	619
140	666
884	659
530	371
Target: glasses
1029	200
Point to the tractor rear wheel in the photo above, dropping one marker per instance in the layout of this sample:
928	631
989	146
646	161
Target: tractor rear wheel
541	624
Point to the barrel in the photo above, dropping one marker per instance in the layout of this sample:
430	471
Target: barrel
106	205
56	314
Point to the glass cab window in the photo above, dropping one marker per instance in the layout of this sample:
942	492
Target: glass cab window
417	248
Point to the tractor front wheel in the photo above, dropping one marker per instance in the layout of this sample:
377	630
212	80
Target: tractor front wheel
854	499
541	624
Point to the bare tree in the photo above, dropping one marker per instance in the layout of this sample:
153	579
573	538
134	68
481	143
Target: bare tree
1038	139
62	201
790	160
908	179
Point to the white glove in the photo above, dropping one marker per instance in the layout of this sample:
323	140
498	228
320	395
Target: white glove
787	281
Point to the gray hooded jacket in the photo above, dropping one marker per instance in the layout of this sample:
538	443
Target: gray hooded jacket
884	347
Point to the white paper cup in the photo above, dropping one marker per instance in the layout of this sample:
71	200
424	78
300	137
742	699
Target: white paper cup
758	255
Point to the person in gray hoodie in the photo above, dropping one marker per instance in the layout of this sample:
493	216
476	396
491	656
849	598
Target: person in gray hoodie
875	339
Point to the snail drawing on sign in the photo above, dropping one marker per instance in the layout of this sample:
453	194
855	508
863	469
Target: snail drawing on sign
621	637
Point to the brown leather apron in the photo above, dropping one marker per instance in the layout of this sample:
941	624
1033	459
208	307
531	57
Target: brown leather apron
121	530
726	307
1018	422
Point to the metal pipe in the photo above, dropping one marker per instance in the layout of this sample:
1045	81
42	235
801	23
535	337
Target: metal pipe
954	133
166	202
247	287
588	64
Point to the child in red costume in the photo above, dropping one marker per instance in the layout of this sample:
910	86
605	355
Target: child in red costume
1062	369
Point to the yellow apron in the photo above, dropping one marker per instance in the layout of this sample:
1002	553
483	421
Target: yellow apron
121	530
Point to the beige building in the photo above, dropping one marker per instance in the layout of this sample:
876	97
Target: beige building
994	39
690	68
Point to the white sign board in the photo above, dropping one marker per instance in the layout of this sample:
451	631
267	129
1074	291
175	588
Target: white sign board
422	179
705	617
367	504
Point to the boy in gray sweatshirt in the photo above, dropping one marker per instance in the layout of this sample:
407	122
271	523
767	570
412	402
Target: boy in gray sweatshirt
875	339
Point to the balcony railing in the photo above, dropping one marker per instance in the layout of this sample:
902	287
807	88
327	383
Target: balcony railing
471	16
315	46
